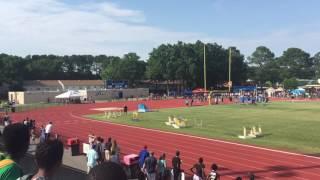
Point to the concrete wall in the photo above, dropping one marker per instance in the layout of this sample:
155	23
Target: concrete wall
28	97
115	93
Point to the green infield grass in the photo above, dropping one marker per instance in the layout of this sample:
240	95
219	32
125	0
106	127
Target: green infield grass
292	126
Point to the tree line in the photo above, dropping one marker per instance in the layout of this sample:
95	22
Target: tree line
168	62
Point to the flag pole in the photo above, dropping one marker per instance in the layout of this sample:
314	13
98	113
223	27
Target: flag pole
229	70
204	67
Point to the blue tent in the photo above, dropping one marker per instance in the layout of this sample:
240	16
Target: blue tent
237	89
297	92
142	108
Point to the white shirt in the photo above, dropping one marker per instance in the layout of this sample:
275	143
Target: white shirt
48	128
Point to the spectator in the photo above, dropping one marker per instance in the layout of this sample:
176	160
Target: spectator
16	139
251	176
107	149
143	155
92	157
213	175
162	167
48	130
48	158
6	120
114	147
106	171
198	170
115	152
238	178
176	165
186	101
114	157
150	166
125	109
99	150
92	138
25	122
42	134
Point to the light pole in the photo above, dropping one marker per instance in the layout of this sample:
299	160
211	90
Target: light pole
204	68
230	83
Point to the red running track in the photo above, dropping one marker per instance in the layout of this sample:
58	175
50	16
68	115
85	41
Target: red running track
233	159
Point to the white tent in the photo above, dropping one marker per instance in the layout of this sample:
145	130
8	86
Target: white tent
270	91
69	95
280	89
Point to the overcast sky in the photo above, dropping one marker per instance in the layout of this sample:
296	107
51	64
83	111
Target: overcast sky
116	27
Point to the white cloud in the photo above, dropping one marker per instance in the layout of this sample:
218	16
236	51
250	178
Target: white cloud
278	41
53	27
50	26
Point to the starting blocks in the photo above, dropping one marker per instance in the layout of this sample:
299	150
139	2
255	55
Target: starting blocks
253	133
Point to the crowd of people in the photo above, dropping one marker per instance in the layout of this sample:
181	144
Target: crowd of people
103	158
16	139
149	167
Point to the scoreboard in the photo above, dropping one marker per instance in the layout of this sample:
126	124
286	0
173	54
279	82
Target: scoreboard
116	84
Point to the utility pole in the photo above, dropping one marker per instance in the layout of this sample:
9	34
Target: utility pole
204	67
230	83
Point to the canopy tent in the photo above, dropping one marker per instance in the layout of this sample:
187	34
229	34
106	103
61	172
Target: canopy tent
270	91
297	92
237	89
69	95
199	90
280	89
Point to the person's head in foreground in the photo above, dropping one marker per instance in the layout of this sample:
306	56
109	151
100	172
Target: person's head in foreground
201	160
214	167
48	158
178	153
16	139
107	171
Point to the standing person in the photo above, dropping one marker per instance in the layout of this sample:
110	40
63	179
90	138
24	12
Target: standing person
16	139
115	152
143	155
92	138
48	130
251	176
114	157
114	147
150	166
198	170
33	134
107	149
48	158
92	157
191	102
176	165
42	134
98	149
162	167
213	175
125	109
6	120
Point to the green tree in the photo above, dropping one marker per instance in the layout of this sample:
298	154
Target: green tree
290	83
263	66
296	63
129	67
316	64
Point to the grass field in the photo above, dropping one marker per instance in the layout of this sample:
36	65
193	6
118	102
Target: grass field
286	125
